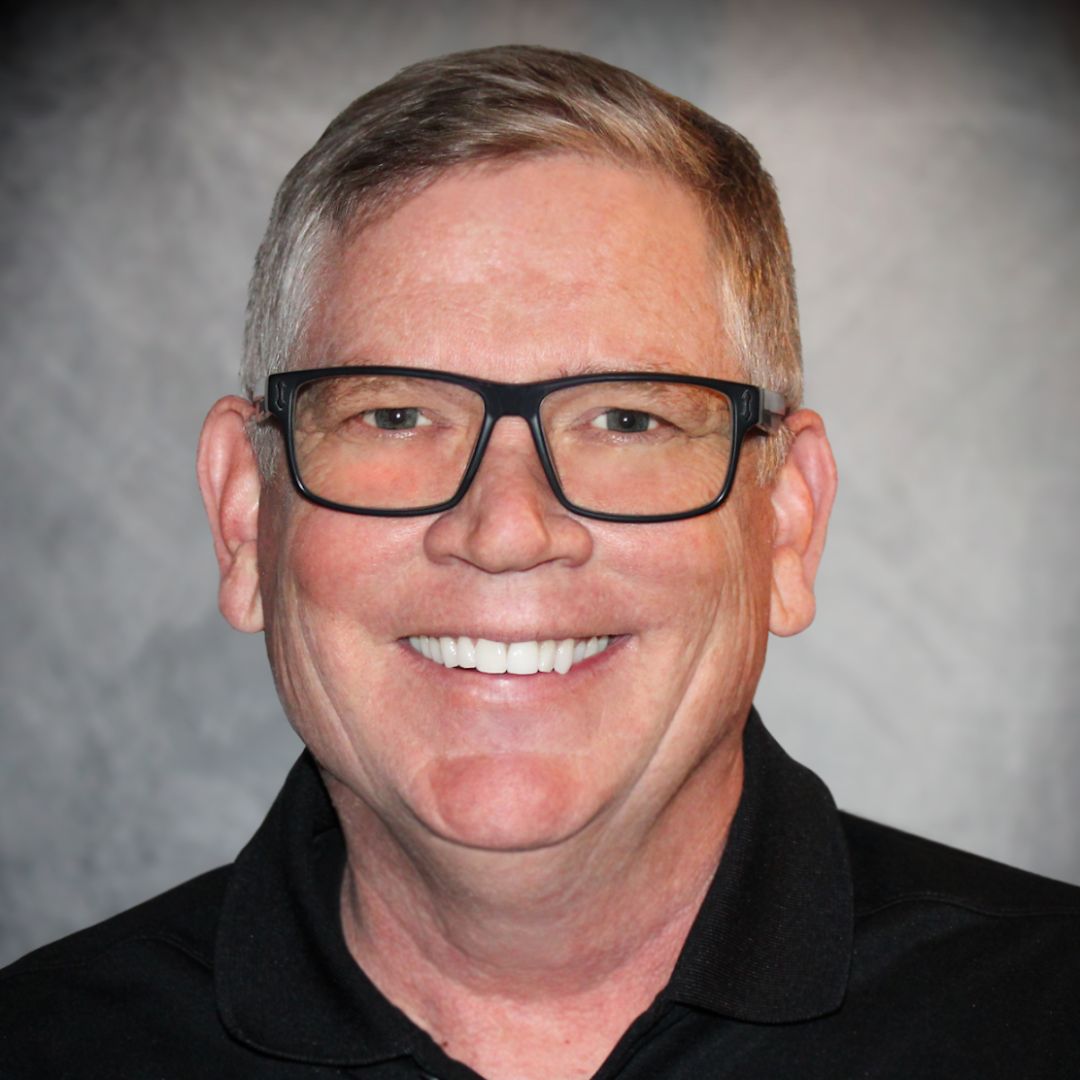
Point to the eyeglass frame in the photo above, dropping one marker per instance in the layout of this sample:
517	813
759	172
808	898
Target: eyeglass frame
753	409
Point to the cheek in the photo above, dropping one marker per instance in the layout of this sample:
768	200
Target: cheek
332	581
703	588
696	573
346	566
331	598
733	598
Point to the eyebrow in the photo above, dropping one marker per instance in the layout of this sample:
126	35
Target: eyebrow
567	369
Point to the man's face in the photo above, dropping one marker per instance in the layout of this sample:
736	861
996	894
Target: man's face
520	272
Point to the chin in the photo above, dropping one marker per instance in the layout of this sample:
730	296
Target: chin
508	801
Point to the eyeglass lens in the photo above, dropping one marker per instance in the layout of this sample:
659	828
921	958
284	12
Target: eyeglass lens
393	442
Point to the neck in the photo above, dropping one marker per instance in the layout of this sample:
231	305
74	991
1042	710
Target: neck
506	953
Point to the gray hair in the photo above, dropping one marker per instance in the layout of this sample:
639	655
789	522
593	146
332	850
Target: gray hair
520	101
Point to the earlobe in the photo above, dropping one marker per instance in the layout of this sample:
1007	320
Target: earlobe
231	487
802	499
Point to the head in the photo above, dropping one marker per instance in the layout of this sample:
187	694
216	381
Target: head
517	215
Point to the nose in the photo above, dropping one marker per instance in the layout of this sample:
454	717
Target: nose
509	518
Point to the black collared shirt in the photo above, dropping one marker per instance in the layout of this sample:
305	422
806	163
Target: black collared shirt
827	947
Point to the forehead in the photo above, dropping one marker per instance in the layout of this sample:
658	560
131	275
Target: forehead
520	270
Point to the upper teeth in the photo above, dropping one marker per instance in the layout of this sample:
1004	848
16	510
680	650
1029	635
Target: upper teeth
514	658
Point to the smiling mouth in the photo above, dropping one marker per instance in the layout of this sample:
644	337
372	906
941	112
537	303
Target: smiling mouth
509	658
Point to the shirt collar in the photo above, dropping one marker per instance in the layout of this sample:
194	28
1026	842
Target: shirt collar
771	943
285	981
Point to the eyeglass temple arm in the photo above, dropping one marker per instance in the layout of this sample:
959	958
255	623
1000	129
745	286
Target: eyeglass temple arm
772	410
262	412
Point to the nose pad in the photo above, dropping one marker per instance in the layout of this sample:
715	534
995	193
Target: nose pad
509	518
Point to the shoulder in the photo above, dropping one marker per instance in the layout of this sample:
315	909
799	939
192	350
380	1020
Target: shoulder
976	962
183	918
80	997
891	867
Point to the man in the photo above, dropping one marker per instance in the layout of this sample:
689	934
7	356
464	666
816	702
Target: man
520	484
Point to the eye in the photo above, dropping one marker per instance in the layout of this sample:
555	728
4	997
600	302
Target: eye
628	421
395	419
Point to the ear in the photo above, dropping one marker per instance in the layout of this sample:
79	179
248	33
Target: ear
231	486
802	498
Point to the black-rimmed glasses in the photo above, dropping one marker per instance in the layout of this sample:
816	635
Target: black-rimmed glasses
621	446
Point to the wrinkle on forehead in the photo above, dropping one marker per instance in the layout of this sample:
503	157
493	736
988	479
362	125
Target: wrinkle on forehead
571	261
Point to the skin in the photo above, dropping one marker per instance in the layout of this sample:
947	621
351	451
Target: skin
495	825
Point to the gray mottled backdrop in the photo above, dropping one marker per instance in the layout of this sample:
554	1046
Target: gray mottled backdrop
928	160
